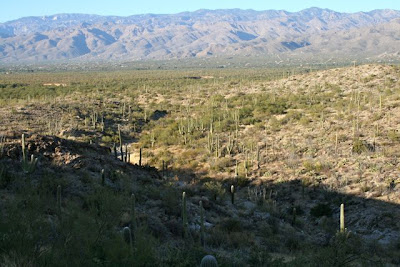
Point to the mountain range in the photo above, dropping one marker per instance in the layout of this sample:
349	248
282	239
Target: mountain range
203	33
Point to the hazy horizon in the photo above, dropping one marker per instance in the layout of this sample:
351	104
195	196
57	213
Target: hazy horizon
19	9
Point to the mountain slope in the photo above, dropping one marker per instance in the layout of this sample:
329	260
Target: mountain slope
199	33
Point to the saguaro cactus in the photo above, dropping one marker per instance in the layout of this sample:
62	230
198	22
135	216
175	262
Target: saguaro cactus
336	143
184	216
133	213
127	233
294	216
202	239
209	261
28	166
246	166
103	177
59	199
120	143
233	194
140	157
236	170
342	229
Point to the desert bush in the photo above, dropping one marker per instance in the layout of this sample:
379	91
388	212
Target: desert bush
292	116
304	121
5	177
274	124
171	201
393	136
221	164
231	225
321	209
215	188
315	166
358	146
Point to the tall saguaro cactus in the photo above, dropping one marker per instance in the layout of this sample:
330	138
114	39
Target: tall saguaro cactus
59	199
127	234
28	166
202	239
140	157
103	177
184	216
233	194
342	229
120	143
134	226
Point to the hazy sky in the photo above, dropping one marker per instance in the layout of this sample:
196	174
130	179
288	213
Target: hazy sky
13	9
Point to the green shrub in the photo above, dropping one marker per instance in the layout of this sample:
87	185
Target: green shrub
5	177
107	139
231	225
358	146
393	136
215	188
221	164
320	210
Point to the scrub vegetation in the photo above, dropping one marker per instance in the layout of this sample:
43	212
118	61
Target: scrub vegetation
163	167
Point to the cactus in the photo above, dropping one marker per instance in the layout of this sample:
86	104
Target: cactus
255	194
94	119
202	239
127	234
184	216
103	177
274	208
59	199
233	194
209	142
28	166
294	216
229	146
102	124
140	157
2	141
134	226
236	170
217	150
336	143
163	169
120	143
209	261
246	166
264	192
126	154
115	151
152	139
342	229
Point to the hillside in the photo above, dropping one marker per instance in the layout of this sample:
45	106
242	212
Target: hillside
295	147
312	32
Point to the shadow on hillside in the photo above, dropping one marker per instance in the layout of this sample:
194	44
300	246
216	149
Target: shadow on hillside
69	158
317	207
374	219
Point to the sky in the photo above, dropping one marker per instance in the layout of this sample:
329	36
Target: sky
14	9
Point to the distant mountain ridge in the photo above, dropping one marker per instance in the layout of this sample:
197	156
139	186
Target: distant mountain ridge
198	34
